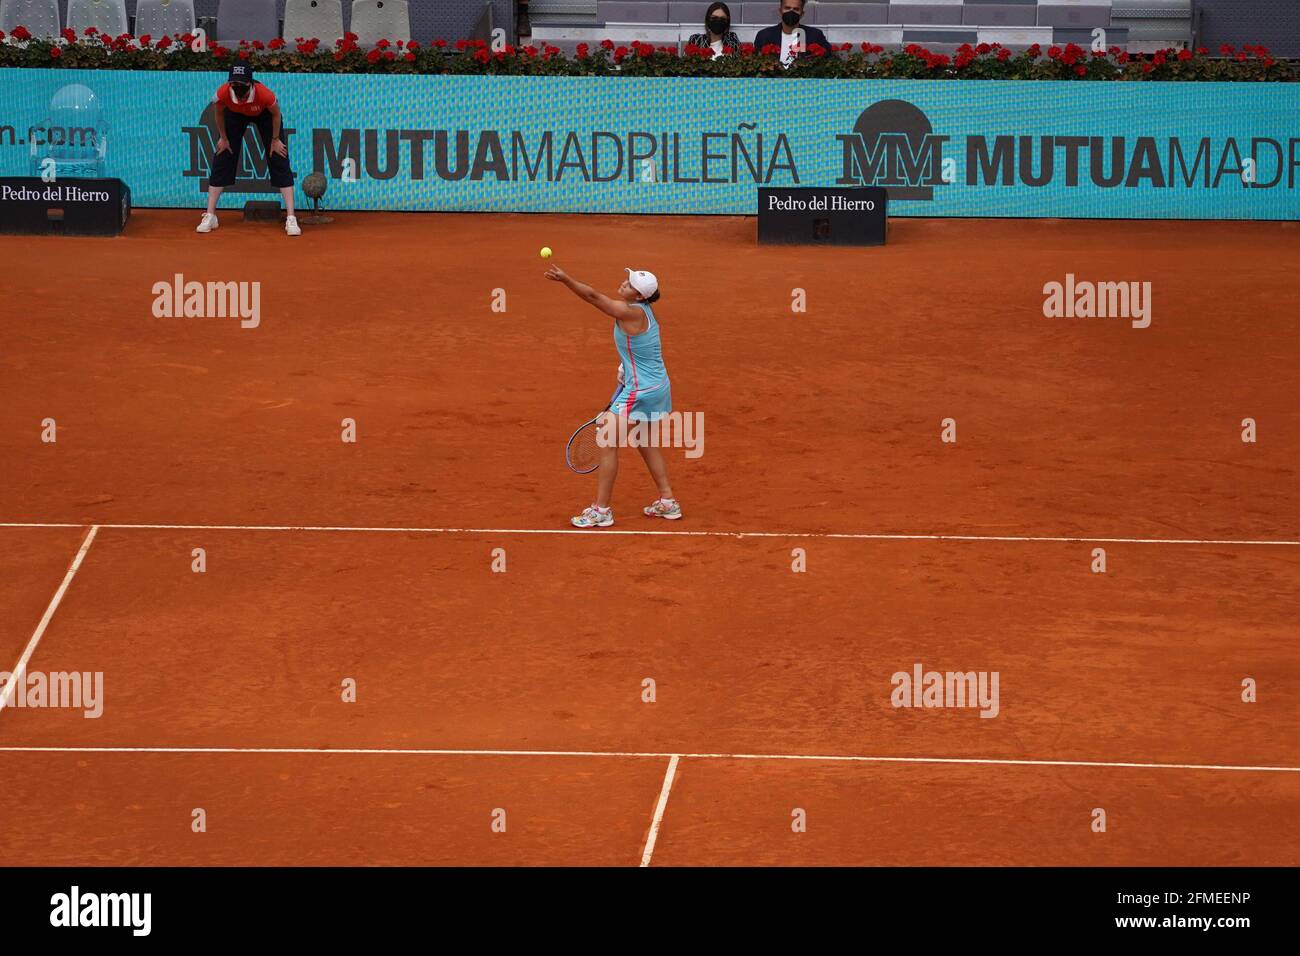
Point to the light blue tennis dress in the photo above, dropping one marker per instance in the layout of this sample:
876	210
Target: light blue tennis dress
646	394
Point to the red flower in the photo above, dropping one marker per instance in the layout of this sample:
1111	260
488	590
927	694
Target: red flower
220	52
1159	58
413	45
243	54
816	49
913	49
1184	55
56	52
1004	55
69	35
1054	52
259	45
2	34
1034	51
373	55
164	42
277	43
1201	51
383	44
1081	70
770	49
1226	49
20	33
440	43
408	56
746	49
619	53
1241	58
462	44
390	56
1147	67
482	56
582	49
983	48
90	31
607	44
1122	58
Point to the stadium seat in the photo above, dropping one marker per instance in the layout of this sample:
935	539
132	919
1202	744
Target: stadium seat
848	13
632	11
936	12
313	20
375	20
1074	13
106	16
160	18
763	14
691	13
246	20
1000	13
40	17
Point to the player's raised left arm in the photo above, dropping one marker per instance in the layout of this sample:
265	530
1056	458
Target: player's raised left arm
615	308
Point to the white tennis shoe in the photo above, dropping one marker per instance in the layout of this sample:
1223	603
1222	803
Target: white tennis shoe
664	508
291	226
593	517
208	223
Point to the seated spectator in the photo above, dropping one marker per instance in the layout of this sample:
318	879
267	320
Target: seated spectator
793	39
717	31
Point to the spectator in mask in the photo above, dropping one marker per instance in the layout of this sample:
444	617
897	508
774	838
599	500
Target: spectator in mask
717	31
790	36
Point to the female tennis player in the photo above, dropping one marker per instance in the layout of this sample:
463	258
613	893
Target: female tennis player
645	393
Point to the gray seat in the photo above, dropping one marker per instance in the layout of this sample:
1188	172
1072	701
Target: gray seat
632	11
692	12
40	17
313	20
106	16
1085	15
849	13
246	20
764	14
375	20
1003	13
925	14
164	18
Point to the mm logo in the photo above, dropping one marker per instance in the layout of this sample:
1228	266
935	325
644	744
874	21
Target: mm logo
253	174
893	145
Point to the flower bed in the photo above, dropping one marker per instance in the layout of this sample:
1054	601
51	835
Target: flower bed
864	61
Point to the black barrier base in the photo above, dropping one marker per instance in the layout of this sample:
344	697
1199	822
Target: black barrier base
829	216
73	207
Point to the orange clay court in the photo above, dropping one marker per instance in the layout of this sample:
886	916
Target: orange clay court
479	691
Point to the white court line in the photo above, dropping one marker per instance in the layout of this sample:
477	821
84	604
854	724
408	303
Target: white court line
653	835
605	532
21	667
822	758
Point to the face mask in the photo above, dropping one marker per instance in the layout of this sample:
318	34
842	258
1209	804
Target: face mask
239	89
719	25
791	18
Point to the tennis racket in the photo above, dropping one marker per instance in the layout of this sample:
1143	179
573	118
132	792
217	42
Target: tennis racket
583	452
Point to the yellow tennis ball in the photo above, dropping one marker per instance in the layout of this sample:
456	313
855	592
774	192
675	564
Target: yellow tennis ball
546	252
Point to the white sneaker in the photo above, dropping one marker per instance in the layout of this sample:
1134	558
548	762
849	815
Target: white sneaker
593	517
208	223
291	226
664	508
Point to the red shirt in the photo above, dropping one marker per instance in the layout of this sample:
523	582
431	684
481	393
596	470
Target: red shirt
260	99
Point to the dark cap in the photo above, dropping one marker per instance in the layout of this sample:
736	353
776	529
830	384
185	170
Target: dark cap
241	73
